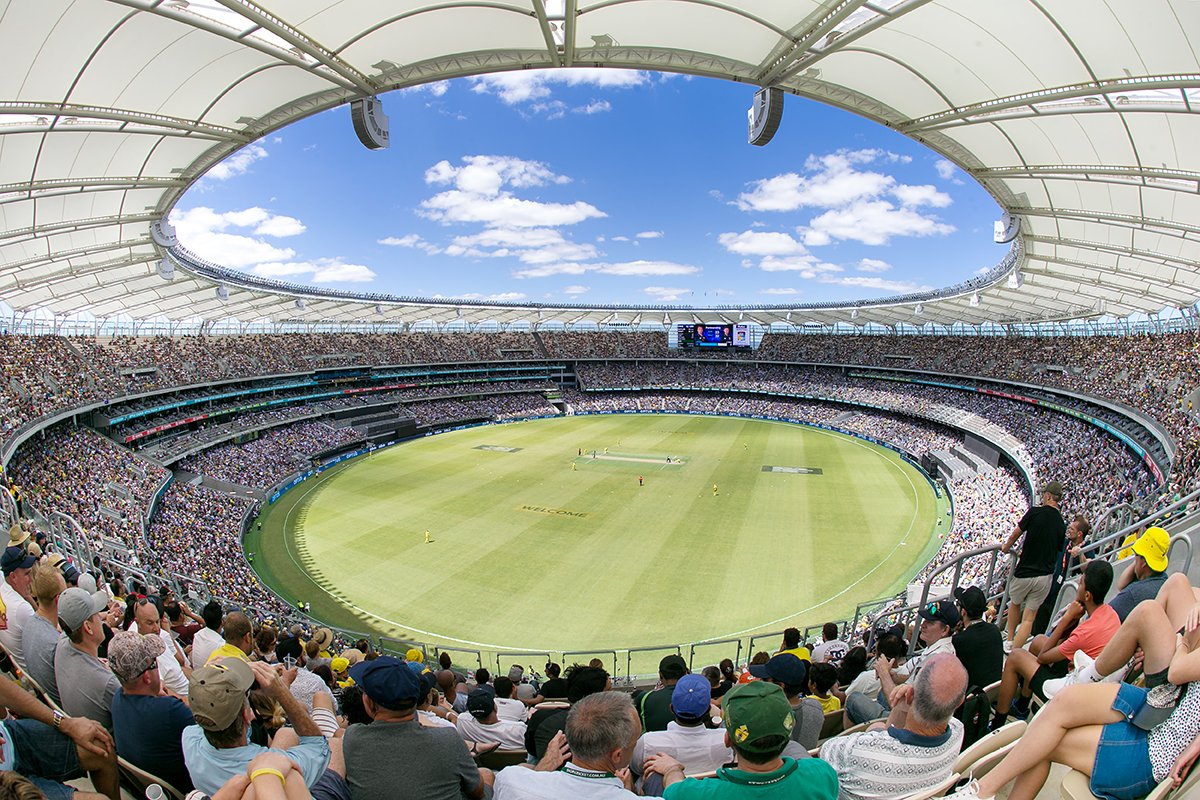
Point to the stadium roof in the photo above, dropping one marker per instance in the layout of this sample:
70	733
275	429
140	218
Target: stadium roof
1077	117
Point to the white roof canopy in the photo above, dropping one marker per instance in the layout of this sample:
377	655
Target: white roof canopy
1076	117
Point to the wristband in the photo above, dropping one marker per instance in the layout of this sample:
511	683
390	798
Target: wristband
269	771
58	719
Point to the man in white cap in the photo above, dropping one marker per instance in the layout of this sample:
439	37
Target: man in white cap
85	685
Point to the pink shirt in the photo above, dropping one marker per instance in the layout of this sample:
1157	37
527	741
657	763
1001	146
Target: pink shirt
1092	634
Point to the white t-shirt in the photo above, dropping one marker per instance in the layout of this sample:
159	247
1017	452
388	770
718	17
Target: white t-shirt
510	735
519	783
169	670
699	749
203	644
832	651
512	710
19	612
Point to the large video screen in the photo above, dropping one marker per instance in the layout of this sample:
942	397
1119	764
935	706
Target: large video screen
715	335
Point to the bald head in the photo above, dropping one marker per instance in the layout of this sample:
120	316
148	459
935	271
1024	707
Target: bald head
940	688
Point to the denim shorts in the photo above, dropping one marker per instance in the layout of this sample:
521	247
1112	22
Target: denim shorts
43	755
1122	769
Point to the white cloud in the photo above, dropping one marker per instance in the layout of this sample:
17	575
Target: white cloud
576	289
489	174
859	282
945	169
411	240
203	230
666	294
520	87
594	107
865	205
650	235
621	239
872	222
238	163
923	195
502	297
873	265
756	243
479	194
207	233
321	270
625	268
530	245
505	210
784	291
436	88
806	266
280	226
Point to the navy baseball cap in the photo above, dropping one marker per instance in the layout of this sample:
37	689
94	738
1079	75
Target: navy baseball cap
941	611
16	558
388	681
692	697
784	667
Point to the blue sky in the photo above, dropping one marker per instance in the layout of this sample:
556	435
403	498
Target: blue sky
594	186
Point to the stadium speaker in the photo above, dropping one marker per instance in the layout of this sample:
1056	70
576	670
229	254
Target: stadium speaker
854	313
975	300
163	233
919	310
1007	228
379	310
166	269
222	293
1016	280
301	304
370	123
765	114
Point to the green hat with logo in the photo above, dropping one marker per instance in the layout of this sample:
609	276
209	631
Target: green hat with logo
754	711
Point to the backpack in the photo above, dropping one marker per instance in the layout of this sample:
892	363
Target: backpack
975	713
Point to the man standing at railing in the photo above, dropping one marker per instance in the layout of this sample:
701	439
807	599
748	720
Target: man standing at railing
1045	532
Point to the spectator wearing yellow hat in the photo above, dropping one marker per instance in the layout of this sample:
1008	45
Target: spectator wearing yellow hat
340	665
1142	579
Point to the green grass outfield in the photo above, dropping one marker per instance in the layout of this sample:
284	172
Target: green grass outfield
531	554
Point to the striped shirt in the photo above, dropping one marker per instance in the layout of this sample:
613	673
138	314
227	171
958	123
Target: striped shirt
878	765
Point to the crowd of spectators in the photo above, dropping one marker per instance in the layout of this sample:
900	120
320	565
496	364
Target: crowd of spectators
197	531
272	456
104	486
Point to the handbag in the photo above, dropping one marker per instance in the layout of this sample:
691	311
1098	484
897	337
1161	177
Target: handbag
1160	703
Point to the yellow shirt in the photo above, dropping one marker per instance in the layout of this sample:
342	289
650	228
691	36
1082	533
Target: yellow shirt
1127	546
799	652
226	651
830	703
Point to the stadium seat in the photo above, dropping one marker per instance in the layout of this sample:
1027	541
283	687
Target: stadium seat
140	780
832	725
1077	786
986	763
497	759
990	743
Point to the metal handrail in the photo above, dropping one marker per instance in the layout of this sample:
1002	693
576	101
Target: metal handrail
568	654
692	650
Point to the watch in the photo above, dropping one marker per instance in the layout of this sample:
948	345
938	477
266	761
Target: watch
58	719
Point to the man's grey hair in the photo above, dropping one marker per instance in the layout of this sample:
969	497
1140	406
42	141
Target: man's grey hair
939	689
601	723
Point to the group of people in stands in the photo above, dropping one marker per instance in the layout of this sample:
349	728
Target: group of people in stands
230	706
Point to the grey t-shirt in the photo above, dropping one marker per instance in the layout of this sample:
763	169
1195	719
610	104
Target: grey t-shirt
84	683
39	640
1127	600
810	718
407	761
